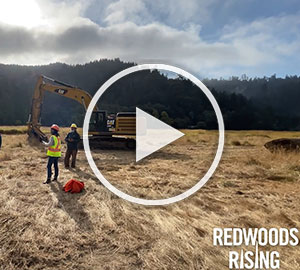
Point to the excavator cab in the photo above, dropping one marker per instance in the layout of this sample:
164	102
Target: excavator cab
98	122
102	124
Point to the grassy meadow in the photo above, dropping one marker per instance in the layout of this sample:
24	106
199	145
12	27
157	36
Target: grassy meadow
43	227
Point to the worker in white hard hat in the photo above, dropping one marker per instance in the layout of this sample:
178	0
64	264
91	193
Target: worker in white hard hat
72	140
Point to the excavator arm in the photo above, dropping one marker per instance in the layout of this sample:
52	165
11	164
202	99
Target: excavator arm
47	84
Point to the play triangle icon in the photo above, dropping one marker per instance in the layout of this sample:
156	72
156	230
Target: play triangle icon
152	134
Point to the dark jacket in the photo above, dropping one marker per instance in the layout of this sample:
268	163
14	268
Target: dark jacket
72	139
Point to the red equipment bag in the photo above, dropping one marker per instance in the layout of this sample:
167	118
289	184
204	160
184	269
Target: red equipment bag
74	186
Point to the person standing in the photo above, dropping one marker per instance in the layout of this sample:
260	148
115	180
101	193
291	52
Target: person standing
53	153
72	139
0	140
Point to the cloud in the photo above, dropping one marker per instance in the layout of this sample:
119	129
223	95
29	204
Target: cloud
126	10
133	34
267	40
127	41
175	13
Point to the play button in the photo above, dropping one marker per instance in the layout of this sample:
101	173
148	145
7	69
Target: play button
152	134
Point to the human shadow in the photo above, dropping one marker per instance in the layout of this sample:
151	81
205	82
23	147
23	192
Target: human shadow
165	156
170	156
70	204
85	175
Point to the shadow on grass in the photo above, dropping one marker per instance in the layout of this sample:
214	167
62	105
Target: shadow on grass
165	156
83	176
71	205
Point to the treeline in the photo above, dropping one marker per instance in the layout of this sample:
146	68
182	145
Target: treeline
259	103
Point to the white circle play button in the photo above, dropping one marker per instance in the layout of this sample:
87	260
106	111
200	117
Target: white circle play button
153	134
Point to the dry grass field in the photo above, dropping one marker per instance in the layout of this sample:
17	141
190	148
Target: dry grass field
41	227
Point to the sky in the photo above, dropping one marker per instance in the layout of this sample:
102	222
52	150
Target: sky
211	38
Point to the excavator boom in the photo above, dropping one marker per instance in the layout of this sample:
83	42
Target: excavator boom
56	87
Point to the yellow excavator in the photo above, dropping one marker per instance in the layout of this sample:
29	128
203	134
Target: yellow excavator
104	131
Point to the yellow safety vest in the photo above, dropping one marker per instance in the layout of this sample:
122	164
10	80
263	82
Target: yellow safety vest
55	150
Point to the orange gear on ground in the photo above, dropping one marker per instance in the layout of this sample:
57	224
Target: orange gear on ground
74	186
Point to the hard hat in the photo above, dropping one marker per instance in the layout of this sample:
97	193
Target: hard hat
73	126
55	127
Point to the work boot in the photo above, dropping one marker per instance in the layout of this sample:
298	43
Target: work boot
54	179
48	181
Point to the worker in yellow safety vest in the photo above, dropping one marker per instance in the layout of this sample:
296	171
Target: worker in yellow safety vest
53	153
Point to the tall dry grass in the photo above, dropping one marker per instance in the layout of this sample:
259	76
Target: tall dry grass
41	227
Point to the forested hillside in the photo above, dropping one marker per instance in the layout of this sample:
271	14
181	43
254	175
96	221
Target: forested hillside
259	103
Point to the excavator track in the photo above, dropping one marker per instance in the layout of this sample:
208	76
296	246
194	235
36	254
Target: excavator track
114	143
